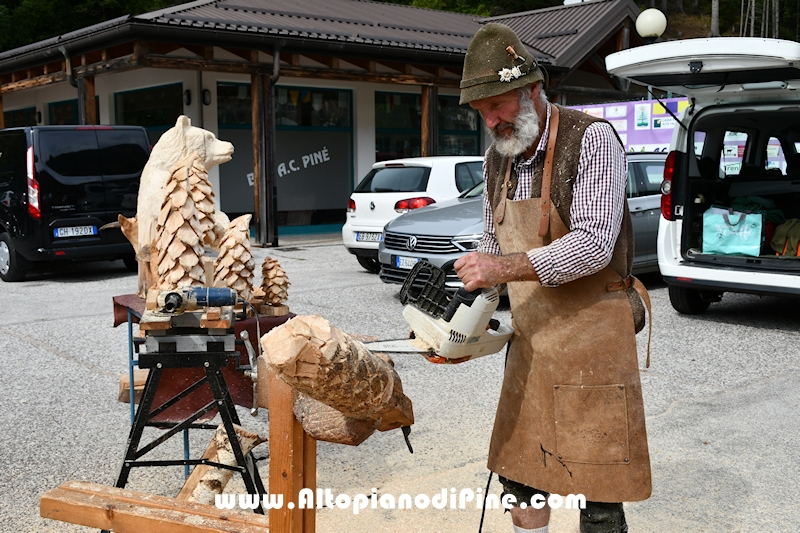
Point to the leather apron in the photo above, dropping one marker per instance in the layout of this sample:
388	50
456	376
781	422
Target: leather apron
570	419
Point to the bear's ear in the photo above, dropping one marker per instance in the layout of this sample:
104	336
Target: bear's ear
183	122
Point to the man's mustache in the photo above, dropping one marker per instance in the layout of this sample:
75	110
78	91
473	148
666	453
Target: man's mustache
503	125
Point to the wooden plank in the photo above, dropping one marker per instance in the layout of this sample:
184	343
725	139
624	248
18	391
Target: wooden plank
39	81
139	379
310	480
128	511
285	456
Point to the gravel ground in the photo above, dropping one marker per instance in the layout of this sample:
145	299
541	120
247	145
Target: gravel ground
721	398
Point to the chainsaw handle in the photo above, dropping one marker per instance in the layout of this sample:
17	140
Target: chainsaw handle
460	297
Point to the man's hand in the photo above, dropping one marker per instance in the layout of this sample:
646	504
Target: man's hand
486	270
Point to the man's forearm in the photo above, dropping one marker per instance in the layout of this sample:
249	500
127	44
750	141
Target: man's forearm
484	270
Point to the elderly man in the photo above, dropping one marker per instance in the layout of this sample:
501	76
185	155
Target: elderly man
557	230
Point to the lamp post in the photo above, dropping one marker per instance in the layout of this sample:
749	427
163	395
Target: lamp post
650	25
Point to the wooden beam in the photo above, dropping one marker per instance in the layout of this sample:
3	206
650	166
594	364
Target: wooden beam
328	61
288	460
428	103
242	52
129	511
366	64
405	68
257	103
86	106
293	59
39	81
162	48
435	71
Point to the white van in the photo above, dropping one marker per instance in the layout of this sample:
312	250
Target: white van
736	147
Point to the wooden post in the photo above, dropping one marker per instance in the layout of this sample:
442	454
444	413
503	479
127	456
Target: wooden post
430	120
293	462
259	167
87	109
2	115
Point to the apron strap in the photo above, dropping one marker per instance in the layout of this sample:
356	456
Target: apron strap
623	285
500	211
646	299
544	224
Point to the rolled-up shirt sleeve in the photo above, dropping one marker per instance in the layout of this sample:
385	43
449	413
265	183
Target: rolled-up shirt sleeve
595	215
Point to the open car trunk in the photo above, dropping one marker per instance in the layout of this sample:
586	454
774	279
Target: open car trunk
742	157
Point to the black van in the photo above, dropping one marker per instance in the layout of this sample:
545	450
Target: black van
59	187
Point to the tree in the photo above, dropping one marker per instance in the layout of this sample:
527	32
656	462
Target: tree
27	21
714	19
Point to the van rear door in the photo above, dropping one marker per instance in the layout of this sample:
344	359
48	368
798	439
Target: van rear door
713	68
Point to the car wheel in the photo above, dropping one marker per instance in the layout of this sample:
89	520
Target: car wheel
12	266
687	301
130	262
370	265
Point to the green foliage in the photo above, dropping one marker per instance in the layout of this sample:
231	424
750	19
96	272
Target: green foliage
28	21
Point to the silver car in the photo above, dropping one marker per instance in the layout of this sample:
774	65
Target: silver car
447	230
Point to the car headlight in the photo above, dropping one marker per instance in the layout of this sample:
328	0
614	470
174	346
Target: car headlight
467	243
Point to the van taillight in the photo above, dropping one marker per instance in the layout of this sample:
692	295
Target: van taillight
33	188
413	203
666	186
351	206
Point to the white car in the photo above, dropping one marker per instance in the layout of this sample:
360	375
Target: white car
736	146
394	187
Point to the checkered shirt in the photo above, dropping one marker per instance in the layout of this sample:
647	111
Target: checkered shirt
595	215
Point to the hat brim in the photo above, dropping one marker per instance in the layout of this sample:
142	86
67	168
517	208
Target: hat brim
495	88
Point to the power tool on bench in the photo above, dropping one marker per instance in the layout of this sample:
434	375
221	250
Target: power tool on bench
193	298
447	330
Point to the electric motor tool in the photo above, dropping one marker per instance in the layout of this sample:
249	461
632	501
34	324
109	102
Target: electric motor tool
447	330
193	298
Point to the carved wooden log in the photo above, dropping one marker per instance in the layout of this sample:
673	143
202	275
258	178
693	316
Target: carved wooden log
317	359
207	481
234	265
327	424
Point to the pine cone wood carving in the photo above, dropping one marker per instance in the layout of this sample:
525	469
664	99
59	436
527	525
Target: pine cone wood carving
234	265
275	282
178	242
203	196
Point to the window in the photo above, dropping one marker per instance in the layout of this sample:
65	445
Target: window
397	126
66	112
155	108
304	106
395	179
70	155
733	152
633	190
653	176
20	117
458	128
775	157
468	175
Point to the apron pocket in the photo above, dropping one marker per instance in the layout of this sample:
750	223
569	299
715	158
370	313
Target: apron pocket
591	424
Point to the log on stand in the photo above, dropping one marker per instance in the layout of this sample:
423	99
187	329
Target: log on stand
328	365
327	424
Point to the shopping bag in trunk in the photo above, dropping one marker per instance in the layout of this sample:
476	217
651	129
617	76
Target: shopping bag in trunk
731	232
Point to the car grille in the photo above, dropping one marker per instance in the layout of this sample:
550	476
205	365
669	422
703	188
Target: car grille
426	244
398	275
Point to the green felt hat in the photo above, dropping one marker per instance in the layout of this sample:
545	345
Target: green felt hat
496	62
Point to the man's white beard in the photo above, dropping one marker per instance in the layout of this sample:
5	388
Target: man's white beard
525	130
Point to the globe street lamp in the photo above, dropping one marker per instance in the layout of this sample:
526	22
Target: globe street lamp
650	25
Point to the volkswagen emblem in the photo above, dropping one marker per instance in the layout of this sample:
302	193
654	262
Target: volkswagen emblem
411	243
372	206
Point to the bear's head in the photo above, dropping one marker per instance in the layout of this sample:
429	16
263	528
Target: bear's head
178	142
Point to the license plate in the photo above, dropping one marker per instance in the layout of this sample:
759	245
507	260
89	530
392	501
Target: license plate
365	236
406	263
75	231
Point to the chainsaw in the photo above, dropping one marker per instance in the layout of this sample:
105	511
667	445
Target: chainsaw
446	330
